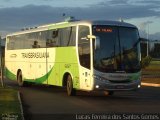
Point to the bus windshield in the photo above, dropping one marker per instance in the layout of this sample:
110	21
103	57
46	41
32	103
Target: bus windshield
119	51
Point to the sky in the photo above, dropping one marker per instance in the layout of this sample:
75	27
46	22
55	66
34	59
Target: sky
18	14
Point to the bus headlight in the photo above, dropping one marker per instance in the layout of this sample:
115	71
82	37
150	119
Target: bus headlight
97	86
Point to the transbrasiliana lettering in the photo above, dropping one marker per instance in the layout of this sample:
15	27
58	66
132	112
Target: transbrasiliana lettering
35	55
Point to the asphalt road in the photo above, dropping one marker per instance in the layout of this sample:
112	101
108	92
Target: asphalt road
47	100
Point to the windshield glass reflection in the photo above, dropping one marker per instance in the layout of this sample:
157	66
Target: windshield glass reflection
119	49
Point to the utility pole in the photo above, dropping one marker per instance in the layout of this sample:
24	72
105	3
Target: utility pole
148	40
1	69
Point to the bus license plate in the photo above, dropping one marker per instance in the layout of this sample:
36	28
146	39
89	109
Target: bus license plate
120	87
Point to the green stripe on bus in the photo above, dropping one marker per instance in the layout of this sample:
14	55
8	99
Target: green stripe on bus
10	75
135	76
42	79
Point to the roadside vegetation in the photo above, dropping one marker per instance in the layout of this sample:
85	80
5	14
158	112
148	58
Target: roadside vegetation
150	66
9	104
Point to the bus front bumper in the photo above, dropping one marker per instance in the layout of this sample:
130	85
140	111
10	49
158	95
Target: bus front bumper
117	86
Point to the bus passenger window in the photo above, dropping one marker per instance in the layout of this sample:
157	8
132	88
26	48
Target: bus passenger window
35	44
54	33
84	46
51	43
52	40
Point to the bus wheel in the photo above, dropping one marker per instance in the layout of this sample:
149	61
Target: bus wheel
19	79
70	90
110	92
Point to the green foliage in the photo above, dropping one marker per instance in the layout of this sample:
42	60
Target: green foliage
9	104
146	61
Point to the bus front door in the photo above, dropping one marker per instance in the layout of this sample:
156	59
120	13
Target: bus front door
84	52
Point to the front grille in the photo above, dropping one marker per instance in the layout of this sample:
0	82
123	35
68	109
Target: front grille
120	81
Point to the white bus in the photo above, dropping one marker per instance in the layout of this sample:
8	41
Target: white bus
78	55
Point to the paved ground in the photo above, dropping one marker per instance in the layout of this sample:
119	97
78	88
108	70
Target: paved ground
150	79
43	100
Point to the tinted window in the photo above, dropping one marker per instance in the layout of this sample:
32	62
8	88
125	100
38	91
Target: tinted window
67	36
52	38
27	41
84	46
62	37
118	50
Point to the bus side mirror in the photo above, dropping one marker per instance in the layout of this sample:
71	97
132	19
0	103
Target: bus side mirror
96	42
140	40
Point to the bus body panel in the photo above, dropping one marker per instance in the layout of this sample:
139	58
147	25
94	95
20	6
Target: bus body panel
50	65
32	63
117	81
45	66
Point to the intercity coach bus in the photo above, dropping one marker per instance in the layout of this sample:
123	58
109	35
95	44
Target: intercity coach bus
77	55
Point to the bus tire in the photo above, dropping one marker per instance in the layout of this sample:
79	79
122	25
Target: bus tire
70	90
19	79
110	92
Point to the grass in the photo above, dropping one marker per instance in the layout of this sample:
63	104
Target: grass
154	65
151	72
152	69
155	62
9	104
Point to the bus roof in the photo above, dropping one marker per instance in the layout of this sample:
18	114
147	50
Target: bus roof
106	22
72	23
